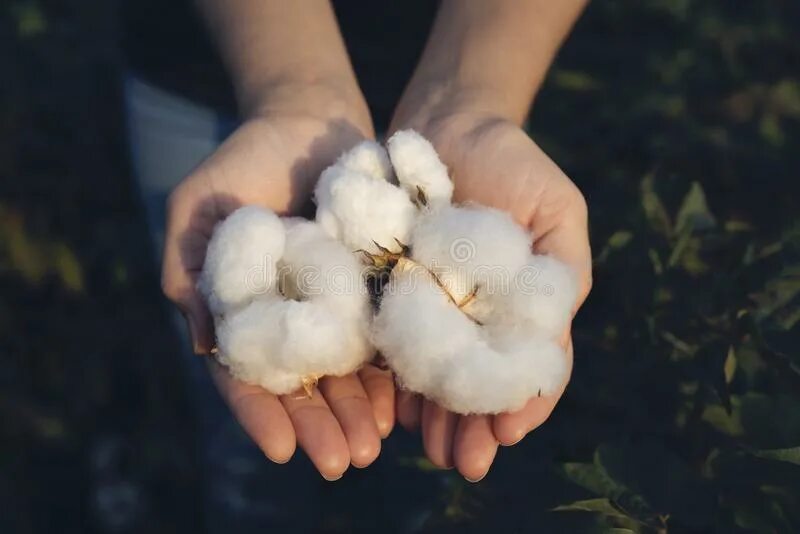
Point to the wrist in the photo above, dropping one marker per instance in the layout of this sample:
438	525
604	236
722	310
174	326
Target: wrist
431	105
323	99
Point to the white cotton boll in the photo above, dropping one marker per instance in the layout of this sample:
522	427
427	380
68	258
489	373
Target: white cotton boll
487	380
314	323
314	265
247	341
471	246
544	295
315	340
417	329
437	351
370	158
241	257
359	210
417	164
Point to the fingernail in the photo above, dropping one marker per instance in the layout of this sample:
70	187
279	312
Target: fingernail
334	479
279	462
474	481
520	438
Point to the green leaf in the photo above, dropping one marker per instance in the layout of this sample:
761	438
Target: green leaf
791	455
694	212
654	210
619	239
419	462
719	418
661	479
602	506
777	292
655	259
592	478
729	368
758	420
734	226
66	264
30	19
784	98
571	80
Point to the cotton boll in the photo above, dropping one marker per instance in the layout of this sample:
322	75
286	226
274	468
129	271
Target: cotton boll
544	295
417	329
417	165
359	210
247	340
488	380
240	258
275	343
370	158
471	246
314	265
315	340
313	323
436	350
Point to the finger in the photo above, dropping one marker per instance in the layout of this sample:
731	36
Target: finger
568	240
438	429
409	410
510	428
189	225
351	407
379	386
318	433
259	412
474	446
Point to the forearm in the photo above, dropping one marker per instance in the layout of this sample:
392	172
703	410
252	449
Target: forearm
284	55
489	56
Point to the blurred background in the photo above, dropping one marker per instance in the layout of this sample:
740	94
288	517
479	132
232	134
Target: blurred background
680	121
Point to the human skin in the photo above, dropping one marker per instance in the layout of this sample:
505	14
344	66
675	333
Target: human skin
470	94
301	108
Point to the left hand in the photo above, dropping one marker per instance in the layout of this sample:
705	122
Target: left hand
495	163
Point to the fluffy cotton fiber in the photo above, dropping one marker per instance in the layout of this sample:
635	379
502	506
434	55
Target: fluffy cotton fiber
418	167
360	210
477	331
370	158
470	318
313	322
471	246
435	349
241	258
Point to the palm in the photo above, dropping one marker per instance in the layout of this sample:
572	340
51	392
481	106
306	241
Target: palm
495	163
274	163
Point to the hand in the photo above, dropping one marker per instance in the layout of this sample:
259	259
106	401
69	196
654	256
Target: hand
273	160
495	163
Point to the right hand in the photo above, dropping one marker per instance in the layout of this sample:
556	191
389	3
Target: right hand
273	160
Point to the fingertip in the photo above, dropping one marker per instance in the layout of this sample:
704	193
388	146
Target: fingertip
385	424
366	452
379	386
511	428
475	447
280	454
332	465
508	434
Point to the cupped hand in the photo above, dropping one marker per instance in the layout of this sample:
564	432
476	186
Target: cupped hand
273	160
495	163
